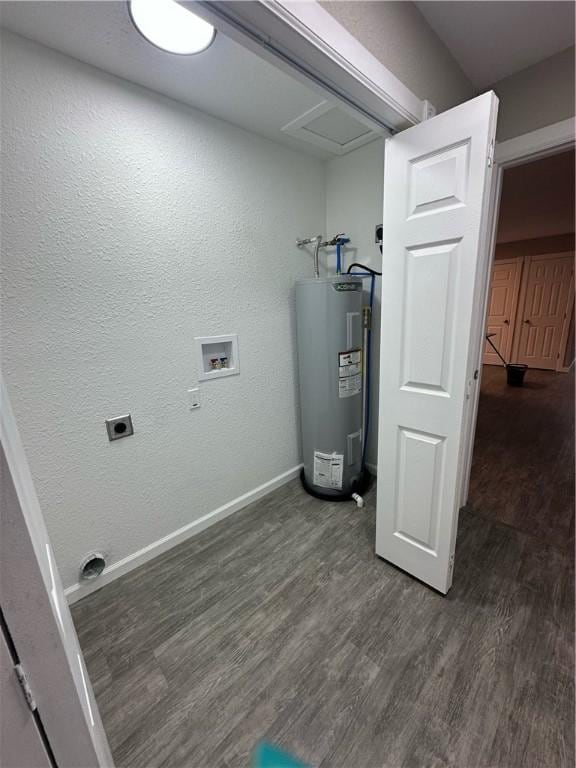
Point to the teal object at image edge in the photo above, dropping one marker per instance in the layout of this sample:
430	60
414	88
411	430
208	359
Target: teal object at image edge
269	756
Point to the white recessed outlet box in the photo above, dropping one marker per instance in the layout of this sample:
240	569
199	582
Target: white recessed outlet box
217	356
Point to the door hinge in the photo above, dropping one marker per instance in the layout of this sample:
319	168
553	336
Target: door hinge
451	563
25	685
491	154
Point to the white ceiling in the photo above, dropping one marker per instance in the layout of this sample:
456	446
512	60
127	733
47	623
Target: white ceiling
491	40
226	80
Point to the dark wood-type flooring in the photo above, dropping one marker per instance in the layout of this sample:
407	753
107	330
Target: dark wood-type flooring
279	623
523	468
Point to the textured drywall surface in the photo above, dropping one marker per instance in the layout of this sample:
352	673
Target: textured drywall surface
401	38
537	199
536	246
537	96
354	202
130	225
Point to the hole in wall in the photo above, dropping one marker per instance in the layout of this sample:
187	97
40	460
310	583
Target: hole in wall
92	566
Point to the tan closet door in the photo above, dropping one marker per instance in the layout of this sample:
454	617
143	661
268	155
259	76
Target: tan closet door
545	293
502	310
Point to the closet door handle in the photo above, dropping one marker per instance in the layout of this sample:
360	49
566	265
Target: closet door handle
527	322
506	322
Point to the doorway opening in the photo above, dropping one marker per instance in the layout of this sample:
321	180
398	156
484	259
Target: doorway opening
523	461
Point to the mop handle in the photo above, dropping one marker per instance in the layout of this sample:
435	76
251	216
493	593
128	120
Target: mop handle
489	340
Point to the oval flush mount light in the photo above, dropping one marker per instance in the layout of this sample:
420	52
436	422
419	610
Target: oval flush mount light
171	27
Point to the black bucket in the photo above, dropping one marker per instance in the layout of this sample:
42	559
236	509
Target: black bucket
515	374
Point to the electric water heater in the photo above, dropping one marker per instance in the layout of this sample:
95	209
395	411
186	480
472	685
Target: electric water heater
329	328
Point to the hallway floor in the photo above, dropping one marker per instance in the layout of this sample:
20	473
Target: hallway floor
523	467
281	624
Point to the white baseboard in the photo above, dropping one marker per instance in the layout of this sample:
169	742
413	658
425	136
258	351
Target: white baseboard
127	564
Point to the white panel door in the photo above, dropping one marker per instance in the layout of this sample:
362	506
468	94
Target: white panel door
544	310
436	192
504	290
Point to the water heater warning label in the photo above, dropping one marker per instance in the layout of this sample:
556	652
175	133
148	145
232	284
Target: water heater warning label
328	469
350	373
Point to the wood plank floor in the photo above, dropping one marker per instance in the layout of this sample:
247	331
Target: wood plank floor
281	624
523	468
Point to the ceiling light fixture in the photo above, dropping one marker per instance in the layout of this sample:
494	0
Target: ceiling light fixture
171	27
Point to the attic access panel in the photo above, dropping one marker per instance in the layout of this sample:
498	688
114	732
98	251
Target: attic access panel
333	128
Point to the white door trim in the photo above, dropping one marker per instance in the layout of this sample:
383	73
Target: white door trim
535	145
308	42
531	146
317	25
36	612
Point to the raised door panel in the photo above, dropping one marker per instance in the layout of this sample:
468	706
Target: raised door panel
427	343
420	457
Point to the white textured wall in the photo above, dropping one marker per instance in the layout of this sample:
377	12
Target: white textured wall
536	96
130	225
538	199
401	38
354	202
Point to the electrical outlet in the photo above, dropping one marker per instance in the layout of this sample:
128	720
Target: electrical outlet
194	398
121	426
